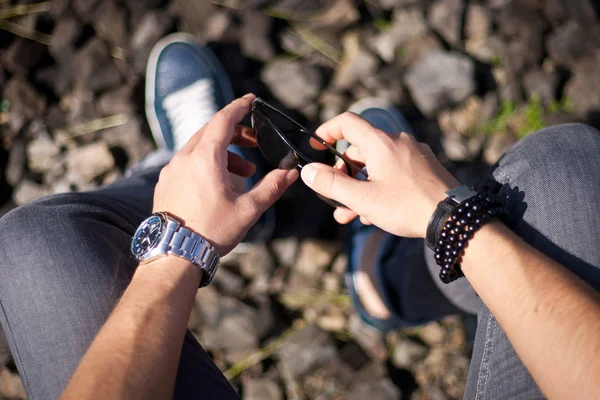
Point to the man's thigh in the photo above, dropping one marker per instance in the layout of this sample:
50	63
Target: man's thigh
552	180
64	264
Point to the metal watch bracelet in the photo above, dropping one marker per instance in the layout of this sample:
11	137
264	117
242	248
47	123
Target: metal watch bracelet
184	243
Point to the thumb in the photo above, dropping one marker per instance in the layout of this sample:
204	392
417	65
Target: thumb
332	183
267	191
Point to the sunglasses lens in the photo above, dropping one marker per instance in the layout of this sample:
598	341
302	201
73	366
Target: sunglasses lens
271	145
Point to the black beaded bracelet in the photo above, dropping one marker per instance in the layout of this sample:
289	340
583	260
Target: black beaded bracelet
471	210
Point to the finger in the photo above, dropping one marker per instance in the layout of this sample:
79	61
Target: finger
266	192
344	215
244	136
332	183
351	127
365	221
315	144
191	143
220	130
239	166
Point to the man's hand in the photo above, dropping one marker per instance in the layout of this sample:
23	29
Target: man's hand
406	181
196	187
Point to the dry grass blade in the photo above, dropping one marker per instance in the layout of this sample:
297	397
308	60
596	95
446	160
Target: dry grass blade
24	9
97	125
25	32
317	43
263	353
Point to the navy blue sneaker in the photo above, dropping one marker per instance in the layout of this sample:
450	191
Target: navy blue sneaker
385	116
185	86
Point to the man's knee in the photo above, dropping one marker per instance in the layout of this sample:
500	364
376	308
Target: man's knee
553	153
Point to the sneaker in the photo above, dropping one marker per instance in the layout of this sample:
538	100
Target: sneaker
185	86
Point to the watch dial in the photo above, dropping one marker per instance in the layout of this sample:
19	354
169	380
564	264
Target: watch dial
146	236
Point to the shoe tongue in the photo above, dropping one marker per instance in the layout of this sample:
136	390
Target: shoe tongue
189	109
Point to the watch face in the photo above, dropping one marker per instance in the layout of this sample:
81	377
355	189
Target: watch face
146	236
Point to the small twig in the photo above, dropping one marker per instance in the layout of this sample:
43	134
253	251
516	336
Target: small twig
263	353
292	15
226	4
25	32
316	42
97	125
24	9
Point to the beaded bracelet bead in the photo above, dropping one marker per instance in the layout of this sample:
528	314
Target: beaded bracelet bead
468	215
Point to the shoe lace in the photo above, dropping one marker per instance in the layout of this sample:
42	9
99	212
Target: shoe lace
189	109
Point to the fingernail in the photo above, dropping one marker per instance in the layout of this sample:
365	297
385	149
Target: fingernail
291	176
308	174
248	95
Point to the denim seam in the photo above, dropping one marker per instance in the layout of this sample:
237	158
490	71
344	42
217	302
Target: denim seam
16	354
488	352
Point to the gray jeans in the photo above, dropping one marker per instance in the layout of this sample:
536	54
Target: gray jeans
64	263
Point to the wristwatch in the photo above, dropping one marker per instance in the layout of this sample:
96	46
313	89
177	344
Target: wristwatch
161	234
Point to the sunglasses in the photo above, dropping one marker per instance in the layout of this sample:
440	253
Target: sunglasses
280	139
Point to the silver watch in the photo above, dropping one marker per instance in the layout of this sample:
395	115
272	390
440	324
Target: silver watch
161	234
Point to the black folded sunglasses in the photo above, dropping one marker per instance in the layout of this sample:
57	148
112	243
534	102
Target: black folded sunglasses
280	138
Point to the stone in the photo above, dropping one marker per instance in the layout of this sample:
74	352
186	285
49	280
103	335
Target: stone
229	283
488	50
414	50
440	80
89	162
261	389
93	68
306	349
42	154
390	4
226	323
407	352
541	83
11	386
523	30
339	15
432	333
257	261
293	82
152	27
581	88
355	65
195	14
369	338
27	191
25	102
17	159
254	35
79	107
332	321
58	8
445	16
498	144
118	101
110	24
219	28
406	25
478	22
63	38
22	55
383	389
554	12
567	43
85	8
315	255
285	250
129	137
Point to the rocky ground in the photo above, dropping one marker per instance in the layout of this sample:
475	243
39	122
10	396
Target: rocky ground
471	76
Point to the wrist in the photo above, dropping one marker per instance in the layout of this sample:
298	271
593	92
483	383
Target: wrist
169	270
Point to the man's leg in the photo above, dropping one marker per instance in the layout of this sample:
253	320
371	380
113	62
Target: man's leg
552	178
64	263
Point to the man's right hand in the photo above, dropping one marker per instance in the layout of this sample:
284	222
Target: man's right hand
406	180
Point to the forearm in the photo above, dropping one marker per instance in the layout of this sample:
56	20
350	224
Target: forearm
551	317
124	361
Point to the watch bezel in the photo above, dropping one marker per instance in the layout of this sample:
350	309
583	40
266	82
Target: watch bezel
152	246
